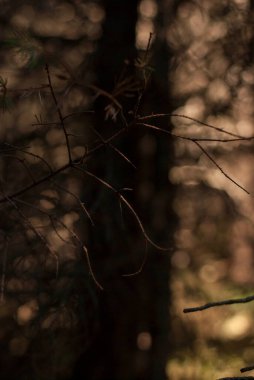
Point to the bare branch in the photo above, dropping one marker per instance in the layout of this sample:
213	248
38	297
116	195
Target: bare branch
220	168
140	269
89	153
237	378
59	114
85	250
156	116
124	200
36	232
82	205
219	303
193	139
113	148
54	220
196	141
31	154
246	369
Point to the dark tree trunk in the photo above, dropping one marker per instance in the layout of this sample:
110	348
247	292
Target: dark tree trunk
158	207
131	308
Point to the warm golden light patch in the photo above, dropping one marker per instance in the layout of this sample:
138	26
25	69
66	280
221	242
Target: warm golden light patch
145	25
237	327
27	312
143	30
148	8
46	204
218	92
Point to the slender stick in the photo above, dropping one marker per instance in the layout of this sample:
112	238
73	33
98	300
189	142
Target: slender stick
219	303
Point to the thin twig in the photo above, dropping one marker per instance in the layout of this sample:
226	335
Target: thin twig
32	155
85	250
107	95
32	228
124	200
196	141
90	152
160	248
199	139
159	115
144	62
121	154
140	269
237	378
246	369
54	220
220	168
59	114
82	205
219	303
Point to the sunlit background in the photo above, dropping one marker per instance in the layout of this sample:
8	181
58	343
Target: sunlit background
211	79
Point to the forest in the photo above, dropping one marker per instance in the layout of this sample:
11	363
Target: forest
126	189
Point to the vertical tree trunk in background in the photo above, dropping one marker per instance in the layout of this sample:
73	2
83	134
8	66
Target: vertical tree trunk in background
118	315
118	40
159	207
112	354
130	306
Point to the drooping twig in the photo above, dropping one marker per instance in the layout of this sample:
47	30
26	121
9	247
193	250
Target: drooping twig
196	141
123	200
53	221
81	204
35	231
160	248
140	269
85	250
220	168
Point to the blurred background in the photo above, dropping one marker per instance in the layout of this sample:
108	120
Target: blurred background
109	62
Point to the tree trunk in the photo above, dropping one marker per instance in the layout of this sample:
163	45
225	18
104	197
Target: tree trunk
133	338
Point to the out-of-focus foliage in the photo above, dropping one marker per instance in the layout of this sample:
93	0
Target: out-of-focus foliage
212	79
49	305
